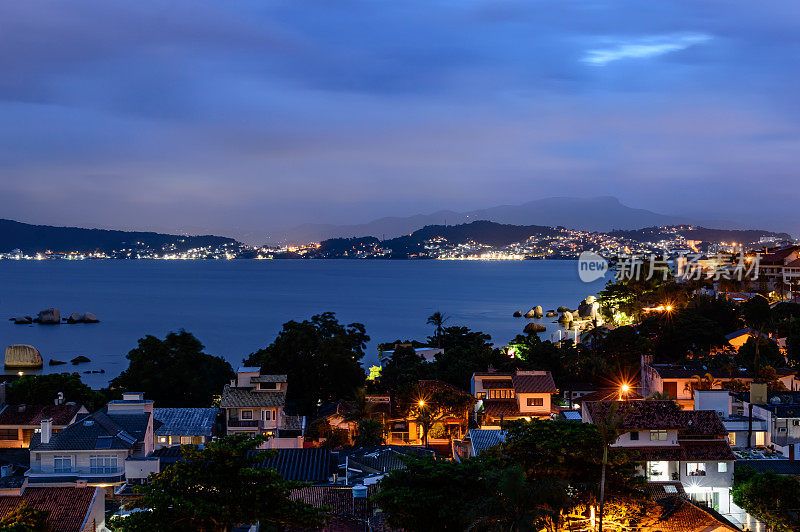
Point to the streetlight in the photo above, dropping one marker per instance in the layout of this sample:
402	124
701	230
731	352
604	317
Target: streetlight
623	390
421	403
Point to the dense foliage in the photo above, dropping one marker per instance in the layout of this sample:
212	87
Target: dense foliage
773	499
215	488
321	358
44	389
174	372
23	518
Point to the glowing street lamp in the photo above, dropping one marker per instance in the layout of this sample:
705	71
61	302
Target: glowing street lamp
623	390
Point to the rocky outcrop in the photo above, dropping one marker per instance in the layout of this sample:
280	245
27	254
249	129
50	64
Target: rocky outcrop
74	318
22	320
563	309
50	316
565	319
517	314
588	307
23	357
535	313
54	362
89	318
533	328
80	359
551	314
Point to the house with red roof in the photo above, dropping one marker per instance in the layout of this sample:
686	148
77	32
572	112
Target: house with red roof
68	509
506	396
674	445
18	423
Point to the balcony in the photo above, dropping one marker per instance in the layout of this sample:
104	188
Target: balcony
244	424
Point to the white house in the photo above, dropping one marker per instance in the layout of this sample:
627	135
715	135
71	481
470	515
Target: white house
509	396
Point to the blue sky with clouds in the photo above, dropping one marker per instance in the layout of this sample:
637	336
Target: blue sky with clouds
247	116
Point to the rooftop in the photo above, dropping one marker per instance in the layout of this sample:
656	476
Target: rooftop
303	465
67	507
32	415
99	430
653	415
482	439
234	397
184	421
534	383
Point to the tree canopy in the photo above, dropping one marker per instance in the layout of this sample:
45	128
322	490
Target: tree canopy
321	358
23	518
215	488
44	389
174	372
773	499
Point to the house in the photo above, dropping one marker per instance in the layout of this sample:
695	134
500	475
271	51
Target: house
18	423
679	381
674	445
737	420
510	396
477	441
780	412
95	450
344	415
443	407
254	404
183	426
69	509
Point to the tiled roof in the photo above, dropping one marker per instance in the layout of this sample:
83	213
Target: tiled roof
695	450
32	415
269	378
67	507
304	465
534	383
185	421
380	459
501	407
605	394
233	397
661	490
681	515
345	513
482	439
651	415
97	431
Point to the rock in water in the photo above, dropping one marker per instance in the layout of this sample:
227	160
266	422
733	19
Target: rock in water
532	328
517	314
551	314
49	316
23	320
565	319
563	309
538	312
90	318
74	318
23	357
54	362
80	359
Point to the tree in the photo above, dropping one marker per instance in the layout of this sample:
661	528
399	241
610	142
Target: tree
437	319
321	358
404	369
609	428
466	352
174	372
23	518
430	405
756	313
773	499
44	389
370	433
706	382
215	488
757	353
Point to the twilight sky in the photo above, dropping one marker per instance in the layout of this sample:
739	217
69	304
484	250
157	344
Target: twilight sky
234	117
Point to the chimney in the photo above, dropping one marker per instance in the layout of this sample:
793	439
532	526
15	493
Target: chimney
47	429
758	393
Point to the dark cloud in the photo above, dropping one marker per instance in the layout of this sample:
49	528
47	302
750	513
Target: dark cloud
246	116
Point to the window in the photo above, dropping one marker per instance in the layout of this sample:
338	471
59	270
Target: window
247	414
535	401
162	439
267	415
696	469
761	438
670	388
103	464
501	393
481	395
634	436
732	438
658	435
796	422
657	471
722	467
62	464
186	440
8	434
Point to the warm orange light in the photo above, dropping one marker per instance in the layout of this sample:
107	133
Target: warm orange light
625	388
668	308
421	403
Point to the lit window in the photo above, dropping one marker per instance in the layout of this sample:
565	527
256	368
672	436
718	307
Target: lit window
722	467
186	440
658	435
535	401
696	469
162	439
732	438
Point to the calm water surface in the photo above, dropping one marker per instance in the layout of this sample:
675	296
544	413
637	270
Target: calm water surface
237	307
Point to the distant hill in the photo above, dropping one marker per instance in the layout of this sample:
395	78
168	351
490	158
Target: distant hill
746	236
39	238
592	214
484	232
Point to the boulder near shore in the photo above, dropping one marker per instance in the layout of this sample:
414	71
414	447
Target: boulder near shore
23	357
534	328
50	316
517	314
535	312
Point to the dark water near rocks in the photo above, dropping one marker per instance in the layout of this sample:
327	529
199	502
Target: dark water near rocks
236	307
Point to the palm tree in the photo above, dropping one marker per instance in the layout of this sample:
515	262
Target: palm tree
610	427
659	396
706	382
437	319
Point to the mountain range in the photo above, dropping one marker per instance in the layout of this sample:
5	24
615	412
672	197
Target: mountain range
594	214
